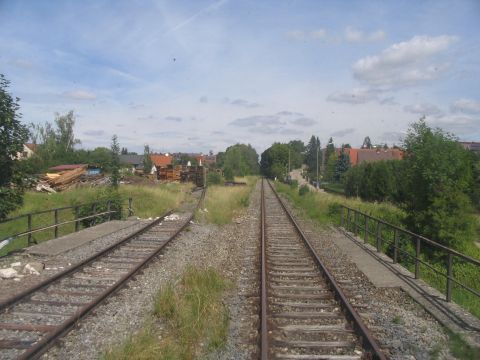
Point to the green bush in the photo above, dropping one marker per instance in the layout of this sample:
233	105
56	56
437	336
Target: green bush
294	184
214	178
101	201
303	190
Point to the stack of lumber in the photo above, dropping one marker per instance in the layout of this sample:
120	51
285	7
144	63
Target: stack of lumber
66	177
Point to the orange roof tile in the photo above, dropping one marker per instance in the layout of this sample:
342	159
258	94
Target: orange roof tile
161	160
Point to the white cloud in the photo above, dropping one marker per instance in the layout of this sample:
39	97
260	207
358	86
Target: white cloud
80	95
467	106
319	34
353	35
378	35
360	96
297	35
424	109
304	121
405	63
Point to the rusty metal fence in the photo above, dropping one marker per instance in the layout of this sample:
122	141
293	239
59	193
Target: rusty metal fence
406	247
32	228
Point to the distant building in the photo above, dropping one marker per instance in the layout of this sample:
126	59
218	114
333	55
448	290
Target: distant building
133	162
160	161
357	156
472	146
28	151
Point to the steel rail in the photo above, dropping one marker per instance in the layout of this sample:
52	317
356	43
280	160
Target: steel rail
49	340
366	338
264	303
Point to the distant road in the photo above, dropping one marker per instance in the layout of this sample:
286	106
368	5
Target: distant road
297	175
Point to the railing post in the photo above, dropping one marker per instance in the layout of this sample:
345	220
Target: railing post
379	236
417	256
366	229
77	215
56	222
348	219
395	246
29	225
94	211
341	216
449	276
109	204
355	223
130	210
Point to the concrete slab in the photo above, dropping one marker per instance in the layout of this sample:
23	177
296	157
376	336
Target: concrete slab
382	272
71	241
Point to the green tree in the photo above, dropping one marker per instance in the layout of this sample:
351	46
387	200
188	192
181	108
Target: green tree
13	134
342	165
274	161
367	143
438	175
330	166
147	161
240	160
311	151
115	162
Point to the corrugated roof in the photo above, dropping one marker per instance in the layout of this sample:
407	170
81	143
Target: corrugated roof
131	159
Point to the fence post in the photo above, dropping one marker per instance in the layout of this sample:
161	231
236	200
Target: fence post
56	222
109	203
395	246
130	210
348	219
449	276
77	215
417	255
379	236
29	228
341	216
355	223
94	211
366	228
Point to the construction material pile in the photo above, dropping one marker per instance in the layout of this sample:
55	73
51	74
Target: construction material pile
63	180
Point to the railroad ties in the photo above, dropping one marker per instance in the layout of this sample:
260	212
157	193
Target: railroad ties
32	321
303	318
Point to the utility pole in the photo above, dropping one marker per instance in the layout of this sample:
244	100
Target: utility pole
317	165
289	161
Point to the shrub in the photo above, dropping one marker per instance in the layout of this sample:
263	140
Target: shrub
303	190
214	178
294	184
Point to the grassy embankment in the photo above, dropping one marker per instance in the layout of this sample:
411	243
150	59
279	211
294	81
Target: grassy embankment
223	203
196	321
324	208
148	201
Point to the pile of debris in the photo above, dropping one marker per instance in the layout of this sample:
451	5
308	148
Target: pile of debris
69	176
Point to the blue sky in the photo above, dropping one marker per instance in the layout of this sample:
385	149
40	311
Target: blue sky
203	75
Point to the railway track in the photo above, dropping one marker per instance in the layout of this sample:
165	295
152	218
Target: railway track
32	321
304	313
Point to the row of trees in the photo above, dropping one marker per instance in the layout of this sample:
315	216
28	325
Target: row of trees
279	158
437	184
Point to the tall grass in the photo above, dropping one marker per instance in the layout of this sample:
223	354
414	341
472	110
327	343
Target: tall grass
325	209
222	203
148	201
197	321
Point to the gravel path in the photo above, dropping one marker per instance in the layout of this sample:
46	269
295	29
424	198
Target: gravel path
403	328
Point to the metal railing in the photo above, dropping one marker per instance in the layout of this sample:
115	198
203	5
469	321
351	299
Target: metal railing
359	222
57	219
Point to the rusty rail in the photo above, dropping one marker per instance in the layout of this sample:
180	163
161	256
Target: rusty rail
35	351
370	345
